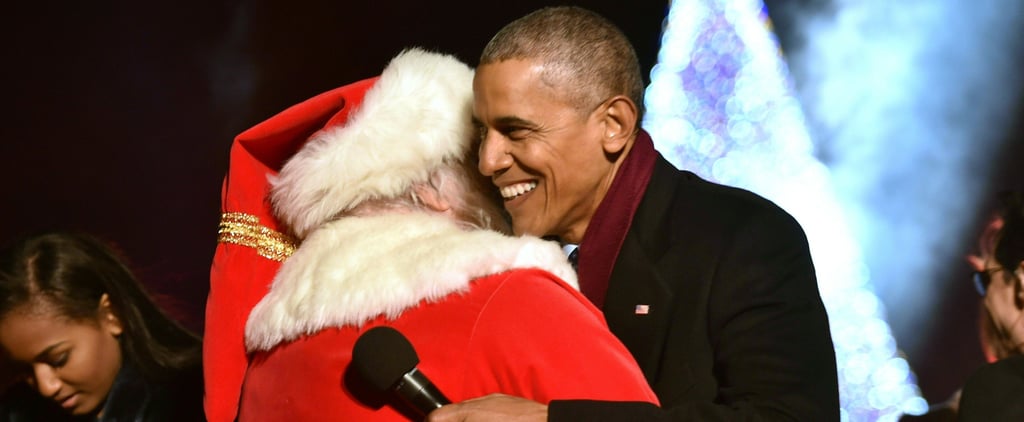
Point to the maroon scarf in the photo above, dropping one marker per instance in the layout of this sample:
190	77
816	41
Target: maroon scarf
607	229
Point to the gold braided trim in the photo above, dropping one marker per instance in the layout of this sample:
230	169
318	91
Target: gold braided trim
245	229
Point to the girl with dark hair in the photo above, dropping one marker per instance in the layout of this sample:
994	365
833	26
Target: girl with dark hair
88	340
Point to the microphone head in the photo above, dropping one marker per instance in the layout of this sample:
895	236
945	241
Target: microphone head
382	355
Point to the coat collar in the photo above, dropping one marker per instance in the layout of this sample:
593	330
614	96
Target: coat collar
356	269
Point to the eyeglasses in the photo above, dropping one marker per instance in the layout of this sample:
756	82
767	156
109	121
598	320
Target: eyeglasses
982	279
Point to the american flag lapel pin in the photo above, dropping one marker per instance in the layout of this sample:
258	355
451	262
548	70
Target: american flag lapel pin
642	309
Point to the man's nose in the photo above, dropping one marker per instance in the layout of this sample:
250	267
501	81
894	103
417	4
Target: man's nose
494	155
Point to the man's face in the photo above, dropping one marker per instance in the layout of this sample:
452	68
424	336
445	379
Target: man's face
1002	301
1002	294
545	157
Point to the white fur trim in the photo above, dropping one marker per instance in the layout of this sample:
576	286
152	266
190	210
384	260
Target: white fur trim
414	117
358	268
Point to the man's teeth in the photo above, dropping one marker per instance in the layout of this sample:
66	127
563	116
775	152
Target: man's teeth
512	191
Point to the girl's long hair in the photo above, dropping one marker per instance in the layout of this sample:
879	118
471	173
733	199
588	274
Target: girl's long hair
70	272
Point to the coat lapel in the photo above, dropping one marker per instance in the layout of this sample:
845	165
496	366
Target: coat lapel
638	306
644	276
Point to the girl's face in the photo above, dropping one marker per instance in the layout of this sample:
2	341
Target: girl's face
73	363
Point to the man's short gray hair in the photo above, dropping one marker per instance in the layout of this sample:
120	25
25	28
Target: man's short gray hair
586	57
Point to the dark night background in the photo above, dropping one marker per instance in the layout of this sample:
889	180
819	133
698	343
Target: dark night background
119	117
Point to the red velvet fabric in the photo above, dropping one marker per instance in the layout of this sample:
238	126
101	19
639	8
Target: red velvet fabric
523	332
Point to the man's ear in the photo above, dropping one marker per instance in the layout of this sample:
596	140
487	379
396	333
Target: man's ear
108	319
430	197
619	115
976	262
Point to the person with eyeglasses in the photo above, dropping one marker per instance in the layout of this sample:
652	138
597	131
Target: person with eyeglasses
995	392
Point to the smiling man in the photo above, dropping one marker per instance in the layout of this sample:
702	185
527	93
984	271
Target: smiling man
710	287
533	147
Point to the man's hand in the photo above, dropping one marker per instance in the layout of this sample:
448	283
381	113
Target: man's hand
492	408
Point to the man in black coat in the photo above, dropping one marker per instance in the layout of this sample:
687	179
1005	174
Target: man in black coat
711	288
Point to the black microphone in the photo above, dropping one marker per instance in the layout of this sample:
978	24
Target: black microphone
387	361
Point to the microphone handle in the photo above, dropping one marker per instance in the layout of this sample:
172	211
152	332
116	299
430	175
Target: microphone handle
417	391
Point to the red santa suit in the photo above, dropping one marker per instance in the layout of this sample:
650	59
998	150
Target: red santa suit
486	312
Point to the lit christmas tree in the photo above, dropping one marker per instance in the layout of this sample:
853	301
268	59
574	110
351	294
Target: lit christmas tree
720	104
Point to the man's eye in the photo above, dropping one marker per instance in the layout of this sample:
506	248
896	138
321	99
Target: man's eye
517	133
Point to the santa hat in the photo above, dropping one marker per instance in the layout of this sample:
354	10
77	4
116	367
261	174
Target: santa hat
369	138
413	120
